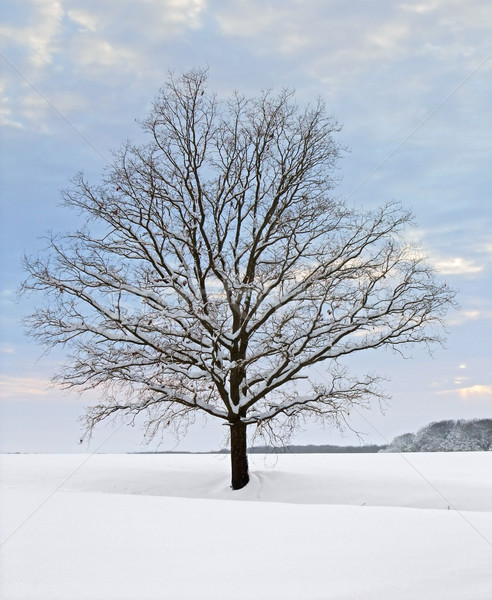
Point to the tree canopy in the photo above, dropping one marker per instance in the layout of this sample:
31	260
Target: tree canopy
215	267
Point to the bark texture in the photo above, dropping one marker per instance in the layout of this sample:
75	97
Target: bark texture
239	456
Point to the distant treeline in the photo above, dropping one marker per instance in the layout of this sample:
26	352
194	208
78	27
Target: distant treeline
312	449
446	436
292	449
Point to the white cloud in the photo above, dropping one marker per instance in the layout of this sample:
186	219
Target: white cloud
186	12
147	17
123	39
19	387
101	32
65	49
33	108
331	43
363	30
457	266
478	391
390	37
471	314
475	390
89	52
7	295
486	249
422	7
87	20
6	113
38	35
6	348
40	389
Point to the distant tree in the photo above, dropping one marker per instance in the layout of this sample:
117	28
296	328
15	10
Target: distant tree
446	436
403	443
434	437
482	432
215	267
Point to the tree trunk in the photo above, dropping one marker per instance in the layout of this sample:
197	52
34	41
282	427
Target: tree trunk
239	455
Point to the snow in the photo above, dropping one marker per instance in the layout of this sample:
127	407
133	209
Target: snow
316	527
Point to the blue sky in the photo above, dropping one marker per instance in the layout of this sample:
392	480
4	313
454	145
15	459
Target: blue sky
411	83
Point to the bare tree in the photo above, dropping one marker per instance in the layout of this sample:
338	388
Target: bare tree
215	268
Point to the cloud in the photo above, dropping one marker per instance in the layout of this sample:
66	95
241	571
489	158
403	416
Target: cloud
473	391
486	249
19	387
107	39
124	22
40	389
314	30
457	266
7	295
89	51
481	313
33	108
6	348
86	19
38	33
351	36
120	44
463	317
6	118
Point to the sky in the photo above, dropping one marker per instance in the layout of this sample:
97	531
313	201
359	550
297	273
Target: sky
411	84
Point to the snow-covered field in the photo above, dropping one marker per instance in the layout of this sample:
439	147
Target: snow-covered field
310	527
